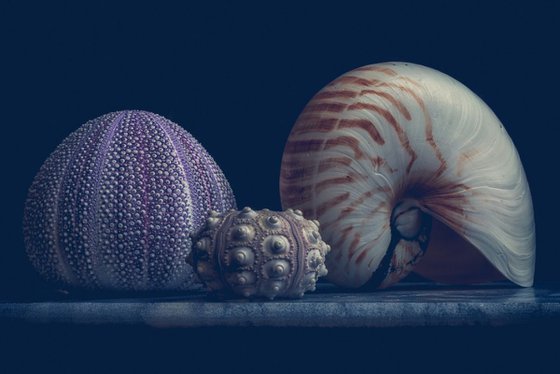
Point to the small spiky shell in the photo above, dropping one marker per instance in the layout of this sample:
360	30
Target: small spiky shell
114	205
260	253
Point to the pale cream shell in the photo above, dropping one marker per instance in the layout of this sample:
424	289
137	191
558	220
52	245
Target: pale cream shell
388	131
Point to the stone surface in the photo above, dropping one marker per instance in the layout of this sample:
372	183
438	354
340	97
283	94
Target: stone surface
407	304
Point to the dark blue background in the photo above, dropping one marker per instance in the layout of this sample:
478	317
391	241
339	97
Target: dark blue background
236	76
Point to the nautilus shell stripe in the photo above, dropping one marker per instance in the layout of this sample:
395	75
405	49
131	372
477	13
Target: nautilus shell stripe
385	133
114	205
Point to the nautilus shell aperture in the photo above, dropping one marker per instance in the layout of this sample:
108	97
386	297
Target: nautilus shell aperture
403	165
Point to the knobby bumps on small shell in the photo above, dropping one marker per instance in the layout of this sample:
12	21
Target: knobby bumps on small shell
260	253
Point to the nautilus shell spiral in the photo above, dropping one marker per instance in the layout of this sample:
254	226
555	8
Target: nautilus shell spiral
408	170
114	206
260	253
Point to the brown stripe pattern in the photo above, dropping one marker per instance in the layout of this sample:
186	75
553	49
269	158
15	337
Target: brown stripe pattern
336	152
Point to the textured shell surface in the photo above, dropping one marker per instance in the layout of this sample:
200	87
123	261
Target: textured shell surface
114	205
384	151
260	253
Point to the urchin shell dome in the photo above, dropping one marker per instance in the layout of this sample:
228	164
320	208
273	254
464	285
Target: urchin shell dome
113	207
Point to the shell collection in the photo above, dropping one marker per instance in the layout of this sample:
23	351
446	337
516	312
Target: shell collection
405	168
387	150
260	253
114	205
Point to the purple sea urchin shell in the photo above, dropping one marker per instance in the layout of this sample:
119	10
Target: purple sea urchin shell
114	205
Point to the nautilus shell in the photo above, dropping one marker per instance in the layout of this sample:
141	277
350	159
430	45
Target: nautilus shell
407	169
114	206
260	253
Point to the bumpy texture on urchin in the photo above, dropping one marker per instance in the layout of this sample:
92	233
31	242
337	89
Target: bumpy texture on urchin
114	205
260	253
